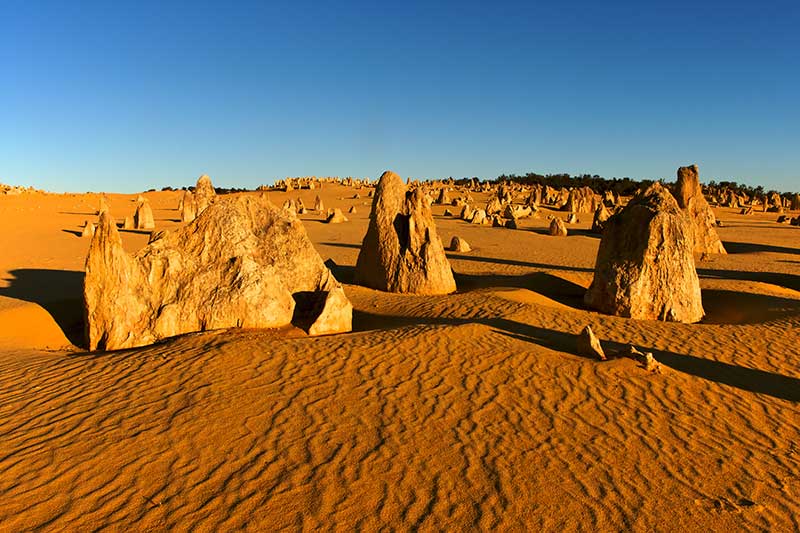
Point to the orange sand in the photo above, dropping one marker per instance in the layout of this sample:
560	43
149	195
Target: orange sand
452	412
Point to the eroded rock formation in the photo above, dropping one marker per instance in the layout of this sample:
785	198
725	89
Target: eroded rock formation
204	194
143	217
558	228
645	265
401	251
242	263
690	198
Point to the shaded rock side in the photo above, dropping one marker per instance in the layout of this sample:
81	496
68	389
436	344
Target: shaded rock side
242	263
645	265
402	251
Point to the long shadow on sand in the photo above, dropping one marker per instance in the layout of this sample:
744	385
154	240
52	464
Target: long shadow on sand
513	262
790	281
553	287
750	247
479	259
572	232
746	379
94	214
59	292
730	307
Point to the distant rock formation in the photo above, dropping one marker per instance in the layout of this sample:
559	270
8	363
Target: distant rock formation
479	217
601	215
580	200
690	198
645	265
143	217
102	205
242	263
558	228
188	207
204	194
401	251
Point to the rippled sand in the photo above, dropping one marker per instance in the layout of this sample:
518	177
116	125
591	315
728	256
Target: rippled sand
454	412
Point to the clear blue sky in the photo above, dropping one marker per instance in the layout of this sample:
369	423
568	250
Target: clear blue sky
130	95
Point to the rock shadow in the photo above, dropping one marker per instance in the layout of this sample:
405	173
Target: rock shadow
747	379
59	292
731	307
790	281
513	262
750	247
553	287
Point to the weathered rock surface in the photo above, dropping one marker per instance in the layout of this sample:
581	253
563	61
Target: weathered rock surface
457	244
102	205
479	217
402	251
242	263
204	194
335	216
143	217
580	200
601	214
645	265
188	207
589	345
558	228
88	229
690	198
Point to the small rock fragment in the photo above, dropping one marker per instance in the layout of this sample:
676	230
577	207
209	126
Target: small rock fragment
589	345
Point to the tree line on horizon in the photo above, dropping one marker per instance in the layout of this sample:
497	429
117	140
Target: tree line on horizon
623	186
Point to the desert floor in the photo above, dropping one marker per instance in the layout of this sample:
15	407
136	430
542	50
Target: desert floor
460	412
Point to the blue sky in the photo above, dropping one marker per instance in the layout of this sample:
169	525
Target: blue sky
126	96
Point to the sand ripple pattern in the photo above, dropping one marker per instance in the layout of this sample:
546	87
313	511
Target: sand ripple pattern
477	417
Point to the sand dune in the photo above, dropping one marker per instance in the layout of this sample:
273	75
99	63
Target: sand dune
450	412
